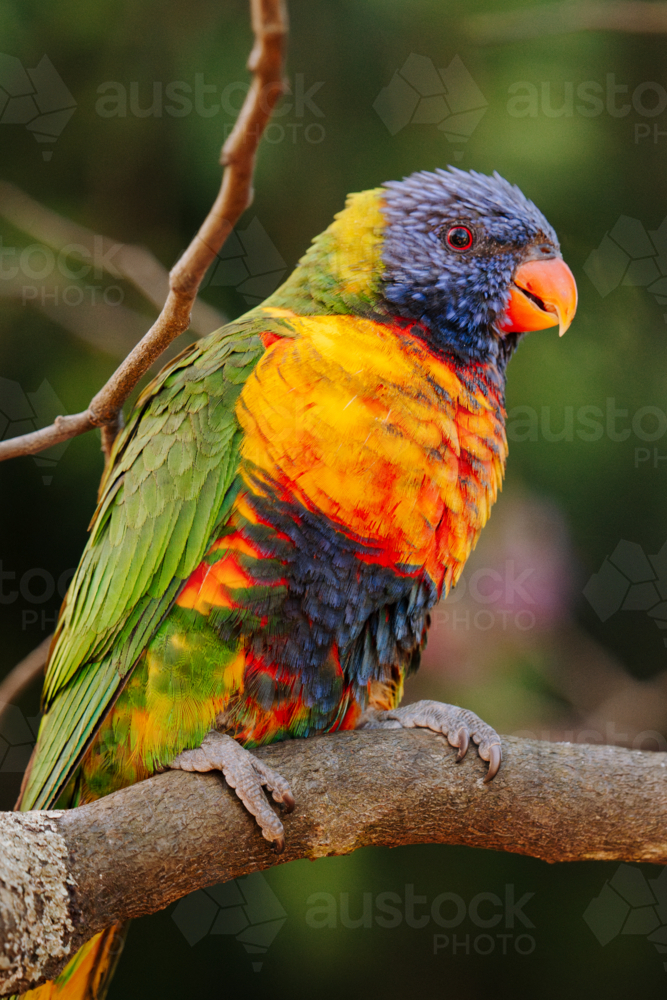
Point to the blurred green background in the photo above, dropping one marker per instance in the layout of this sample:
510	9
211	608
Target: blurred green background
555	631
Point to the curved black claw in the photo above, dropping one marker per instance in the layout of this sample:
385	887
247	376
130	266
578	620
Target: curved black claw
463	742
288	802
278	844
495	757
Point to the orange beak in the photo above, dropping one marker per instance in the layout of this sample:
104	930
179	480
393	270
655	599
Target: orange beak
543	294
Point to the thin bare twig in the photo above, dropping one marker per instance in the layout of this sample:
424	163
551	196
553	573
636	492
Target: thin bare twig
633	16
269	24
23	674
113	329
134	264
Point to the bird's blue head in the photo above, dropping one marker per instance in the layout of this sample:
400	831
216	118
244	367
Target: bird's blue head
473	261
468	258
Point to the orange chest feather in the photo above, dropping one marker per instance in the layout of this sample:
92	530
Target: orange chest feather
358	422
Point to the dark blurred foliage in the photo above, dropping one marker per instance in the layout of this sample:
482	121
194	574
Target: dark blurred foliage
567	504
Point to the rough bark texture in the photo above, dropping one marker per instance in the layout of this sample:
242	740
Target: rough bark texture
138	850
35	923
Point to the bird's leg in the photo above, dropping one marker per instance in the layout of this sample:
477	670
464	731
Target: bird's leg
246	775
458	724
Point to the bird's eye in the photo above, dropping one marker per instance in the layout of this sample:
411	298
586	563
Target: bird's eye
459	238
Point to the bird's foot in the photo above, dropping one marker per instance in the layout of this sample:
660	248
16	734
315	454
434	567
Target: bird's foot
246	775
458	724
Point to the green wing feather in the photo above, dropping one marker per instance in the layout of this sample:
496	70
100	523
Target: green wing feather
168	487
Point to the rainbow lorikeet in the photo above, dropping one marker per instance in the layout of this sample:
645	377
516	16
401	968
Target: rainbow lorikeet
288	500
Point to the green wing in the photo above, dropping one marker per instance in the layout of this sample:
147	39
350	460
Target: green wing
169	486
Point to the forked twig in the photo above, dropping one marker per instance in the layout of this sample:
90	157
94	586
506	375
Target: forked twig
269	24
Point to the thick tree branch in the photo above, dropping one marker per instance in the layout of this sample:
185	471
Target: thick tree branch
269	23
138	850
